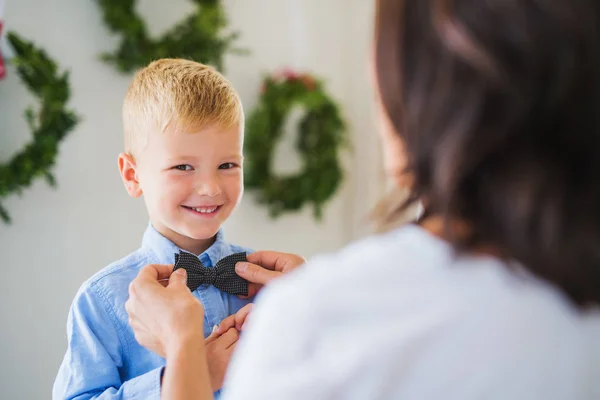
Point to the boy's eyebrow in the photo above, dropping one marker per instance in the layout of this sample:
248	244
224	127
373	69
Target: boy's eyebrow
181	158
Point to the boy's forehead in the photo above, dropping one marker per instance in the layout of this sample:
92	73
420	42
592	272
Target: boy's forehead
213	139
205	130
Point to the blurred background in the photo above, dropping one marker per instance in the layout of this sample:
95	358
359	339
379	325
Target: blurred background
60	237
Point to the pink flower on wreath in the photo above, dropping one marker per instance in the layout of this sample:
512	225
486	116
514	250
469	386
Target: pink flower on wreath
285	74
289	75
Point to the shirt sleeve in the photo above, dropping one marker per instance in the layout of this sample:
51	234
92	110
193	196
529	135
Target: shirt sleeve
90	368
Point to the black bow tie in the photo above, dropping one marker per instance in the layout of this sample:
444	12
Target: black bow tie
222	275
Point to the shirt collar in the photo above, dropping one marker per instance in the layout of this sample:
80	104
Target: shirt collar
165	250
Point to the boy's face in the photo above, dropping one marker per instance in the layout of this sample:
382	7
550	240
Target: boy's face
191	182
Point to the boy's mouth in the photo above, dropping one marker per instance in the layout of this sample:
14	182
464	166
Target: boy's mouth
204	211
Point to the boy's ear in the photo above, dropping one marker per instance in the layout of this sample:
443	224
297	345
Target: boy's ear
127	168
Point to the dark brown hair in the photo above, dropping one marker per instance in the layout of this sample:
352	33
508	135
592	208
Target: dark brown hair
498	105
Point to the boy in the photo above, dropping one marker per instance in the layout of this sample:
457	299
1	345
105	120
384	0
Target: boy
183	125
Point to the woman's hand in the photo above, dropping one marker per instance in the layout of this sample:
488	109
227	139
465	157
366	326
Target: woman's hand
164	318
219	348
237	320
264	266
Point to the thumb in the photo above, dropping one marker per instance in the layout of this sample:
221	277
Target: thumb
255	273
213	335
178	278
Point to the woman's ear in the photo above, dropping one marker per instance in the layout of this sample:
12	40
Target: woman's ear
127	168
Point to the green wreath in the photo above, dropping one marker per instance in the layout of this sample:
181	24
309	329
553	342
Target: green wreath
321	136
49	126
198	37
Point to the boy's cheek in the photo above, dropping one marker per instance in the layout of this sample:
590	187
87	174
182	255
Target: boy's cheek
235	183
173	186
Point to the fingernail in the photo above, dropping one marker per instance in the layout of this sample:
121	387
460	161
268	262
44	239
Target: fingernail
241	267
180	271
215	328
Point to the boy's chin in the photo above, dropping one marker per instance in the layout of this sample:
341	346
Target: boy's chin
199	234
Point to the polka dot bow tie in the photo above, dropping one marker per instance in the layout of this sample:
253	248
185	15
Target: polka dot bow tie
222	275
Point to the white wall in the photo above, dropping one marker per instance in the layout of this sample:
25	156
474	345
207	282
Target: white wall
61	237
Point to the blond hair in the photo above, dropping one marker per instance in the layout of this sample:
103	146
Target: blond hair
177	95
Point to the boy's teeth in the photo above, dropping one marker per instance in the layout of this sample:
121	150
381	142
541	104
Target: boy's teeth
205	210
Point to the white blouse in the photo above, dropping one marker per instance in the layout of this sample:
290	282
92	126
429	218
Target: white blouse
399	316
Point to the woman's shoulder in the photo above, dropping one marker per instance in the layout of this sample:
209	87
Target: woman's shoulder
403	251
404	303
408	266
384	268
408	244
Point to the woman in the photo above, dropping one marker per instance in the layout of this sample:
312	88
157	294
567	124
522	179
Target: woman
490	115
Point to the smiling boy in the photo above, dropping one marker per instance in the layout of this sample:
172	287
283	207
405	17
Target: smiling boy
184	128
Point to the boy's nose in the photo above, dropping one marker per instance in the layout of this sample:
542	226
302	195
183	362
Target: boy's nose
208	187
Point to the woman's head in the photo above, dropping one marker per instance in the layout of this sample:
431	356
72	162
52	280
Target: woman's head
493	110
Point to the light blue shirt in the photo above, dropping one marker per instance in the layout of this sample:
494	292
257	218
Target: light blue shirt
103	360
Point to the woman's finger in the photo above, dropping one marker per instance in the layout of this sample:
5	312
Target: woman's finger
241	315
225	325
213	335
275	260
145	284
255	273
156	271
228	338
178	279
231	348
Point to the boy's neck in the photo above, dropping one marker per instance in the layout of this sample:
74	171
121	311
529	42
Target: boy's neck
194	246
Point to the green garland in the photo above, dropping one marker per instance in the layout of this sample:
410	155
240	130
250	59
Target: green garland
321	136
198	37
49	126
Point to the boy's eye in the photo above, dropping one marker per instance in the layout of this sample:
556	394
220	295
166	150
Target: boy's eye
227	165
183	167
